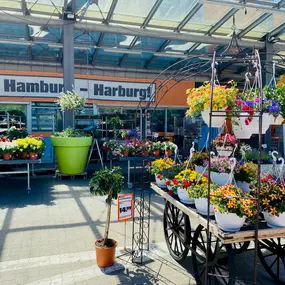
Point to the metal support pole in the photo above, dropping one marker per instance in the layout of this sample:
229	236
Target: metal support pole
28	177
165	122
68	68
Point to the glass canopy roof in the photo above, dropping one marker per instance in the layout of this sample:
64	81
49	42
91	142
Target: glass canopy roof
149	34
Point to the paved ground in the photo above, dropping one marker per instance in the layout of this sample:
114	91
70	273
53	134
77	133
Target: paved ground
47	237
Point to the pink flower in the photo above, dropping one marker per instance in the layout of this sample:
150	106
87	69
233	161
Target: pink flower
256	100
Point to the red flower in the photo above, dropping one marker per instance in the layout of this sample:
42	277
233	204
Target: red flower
158	176
168	182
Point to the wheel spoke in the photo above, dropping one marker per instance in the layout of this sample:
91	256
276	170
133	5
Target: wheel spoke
273	262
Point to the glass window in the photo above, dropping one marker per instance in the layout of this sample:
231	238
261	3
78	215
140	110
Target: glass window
175	120
12	115
157	121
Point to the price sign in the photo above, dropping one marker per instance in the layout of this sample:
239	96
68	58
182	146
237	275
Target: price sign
125	206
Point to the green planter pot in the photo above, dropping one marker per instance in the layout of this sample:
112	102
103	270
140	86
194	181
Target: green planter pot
71	153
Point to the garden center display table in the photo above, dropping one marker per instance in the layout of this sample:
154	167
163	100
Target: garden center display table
19	162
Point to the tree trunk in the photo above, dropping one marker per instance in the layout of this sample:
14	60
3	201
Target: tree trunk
107	222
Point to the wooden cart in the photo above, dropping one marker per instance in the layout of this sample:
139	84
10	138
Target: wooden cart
181	236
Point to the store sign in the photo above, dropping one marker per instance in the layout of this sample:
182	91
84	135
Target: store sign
125	206
28	86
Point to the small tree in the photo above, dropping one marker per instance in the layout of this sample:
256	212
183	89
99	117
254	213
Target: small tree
108	182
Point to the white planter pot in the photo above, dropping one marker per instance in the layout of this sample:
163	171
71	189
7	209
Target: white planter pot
276	121
266	122
199	169
224	151
221	178
160	182
229	222
201	205
169	188
183	196
244	186
275	221
241	130
217	122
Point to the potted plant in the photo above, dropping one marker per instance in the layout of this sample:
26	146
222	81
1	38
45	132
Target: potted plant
225	144
15	133
169	148
198	159
220	170
7	149
146	148
157	167
245	174
200	195
110	145
199	102
272	201
231	207
169	173
108	182
126	149
115	123
156	148
185	179
71	146
71	150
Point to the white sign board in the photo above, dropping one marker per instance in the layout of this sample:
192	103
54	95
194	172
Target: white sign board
31	86
125	207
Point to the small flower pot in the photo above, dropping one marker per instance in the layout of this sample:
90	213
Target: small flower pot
160	183
156	152
221	178
224	151
169	152
244	186
125	153
201	205
275	221
23	155
199	169
183	196
229	222
217	122
33	156
105	256
241	132
7	156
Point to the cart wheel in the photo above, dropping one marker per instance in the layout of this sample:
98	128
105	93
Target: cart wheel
220	272
271	253
240	247
177	232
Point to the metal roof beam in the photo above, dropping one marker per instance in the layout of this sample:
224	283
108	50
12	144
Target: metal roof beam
100	40
111	11
280	4
27	29
277	32
224	19
254	24
143	26
187	37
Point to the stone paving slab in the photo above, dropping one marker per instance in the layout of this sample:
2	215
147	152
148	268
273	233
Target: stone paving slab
47	237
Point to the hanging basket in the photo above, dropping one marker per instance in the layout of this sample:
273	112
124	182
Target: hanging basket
266	122
275	221
276	121
220	178
244	186
160	183
241	131
199	169
183	196
229	222
217	122
201	205
224	150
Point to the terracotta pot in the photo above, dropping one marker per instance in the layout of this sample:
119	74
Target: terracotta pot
23	155
7	156
169	152
33	156
105	256
156	152
145	153
125	153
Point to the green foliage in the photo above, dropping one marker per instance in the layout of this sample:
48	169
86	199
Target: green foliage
201	191
71	101
71	133
115	122
15	133
108	182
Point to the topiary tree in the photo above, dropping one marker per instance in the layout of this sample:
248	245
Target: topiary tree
108	182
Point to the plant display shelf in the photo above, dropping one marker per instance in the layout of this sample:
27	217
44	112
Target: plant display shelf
180	238
59	175
20	162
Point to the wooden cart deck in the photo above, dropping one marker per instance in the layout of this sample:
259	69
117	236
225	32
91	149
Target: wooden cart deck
245	234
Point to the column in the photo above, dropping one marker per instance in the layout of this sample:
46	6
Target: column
68	67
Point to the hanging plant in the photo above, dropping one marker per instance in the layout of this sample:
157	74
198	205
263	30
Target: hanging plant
71	101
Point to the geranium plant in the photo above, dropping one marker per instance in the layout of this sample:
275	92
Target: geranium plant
231	199
225	140
71	101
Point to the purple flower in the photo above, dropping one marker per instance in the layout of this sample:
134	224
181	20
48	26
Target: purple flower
256	100
221	170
